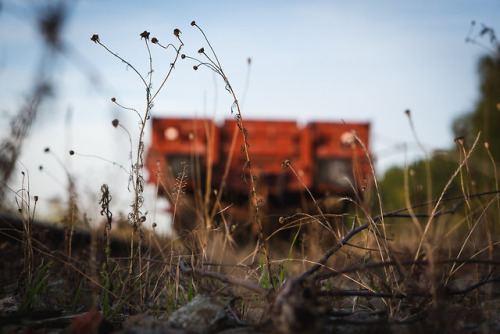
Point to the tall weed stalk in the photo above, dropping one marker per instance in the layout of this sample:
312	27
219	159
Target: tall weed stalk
136	217
212	62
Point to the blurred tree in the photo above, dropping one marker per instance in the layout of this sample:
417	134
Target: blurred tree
479	174
443	164
486	114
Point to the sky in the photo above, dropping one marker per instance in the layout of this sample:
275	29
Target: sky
310	61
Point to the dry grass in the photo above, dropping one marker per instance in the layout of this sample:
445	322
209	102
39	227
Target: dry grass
403	265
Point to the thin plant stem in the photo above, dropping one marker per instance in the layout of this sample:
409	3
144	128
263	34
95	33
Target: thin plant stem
427	160
438	202
216	66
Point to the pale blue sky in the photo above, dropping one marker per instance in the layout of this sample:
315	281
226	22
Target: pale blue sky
311	60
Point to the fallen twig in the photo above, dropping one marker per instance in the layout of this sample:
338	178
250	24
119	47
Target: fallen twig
396	213
326	275
223	278
368	294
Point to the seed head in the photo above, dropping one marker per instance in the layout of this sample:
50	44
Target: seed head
113	99
71	152
154	225
115	123
47	150
407	112
177	32
202	50
285	163
486	145
183	56
195	67
36	198
145	35
94	38
154	40
193	23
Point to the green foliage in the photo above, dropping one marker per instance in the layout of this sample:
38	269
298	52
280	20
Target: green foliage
443	165
36	286
479	173
392	188
190	295
485	116
77	296
110	283
285	267
267	279
264	276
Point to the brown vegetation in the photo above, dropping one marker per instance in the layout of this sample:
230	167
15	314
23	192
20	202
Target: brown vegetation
426	265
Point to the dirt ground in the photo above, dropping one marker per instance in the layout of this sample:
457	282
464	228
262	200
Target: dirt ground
291	309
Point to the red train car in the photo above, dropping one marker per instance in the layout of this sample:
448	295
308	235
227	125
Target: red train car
325	157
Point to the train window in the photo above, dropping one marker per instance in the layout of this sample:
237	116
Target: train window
335	172
176	163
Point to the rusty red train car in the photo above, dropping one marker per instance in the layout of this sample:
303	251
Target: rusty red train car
325	157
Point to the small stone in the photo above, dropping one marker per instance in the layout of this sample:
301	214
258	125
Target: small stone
204	314
9	304
147	324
